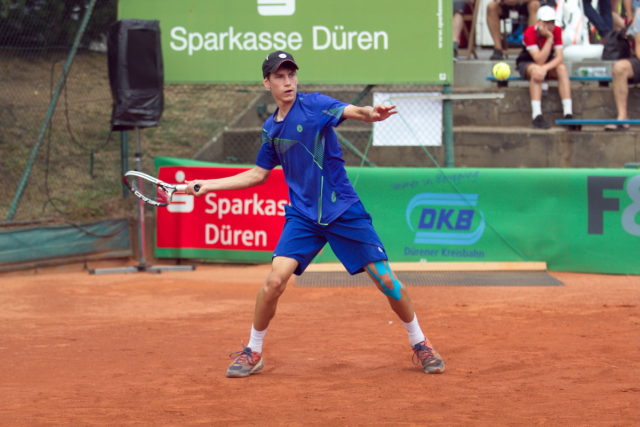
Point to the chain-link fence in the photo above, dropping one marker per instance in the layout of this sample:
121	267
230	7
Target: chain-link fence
418	106
76	170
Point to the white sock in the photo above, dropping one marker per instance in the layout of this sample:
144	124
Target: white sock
536	108
567	106
414	331
255	339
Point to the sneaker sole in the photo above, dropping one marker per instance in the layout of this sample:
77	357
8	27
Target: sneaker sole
253	370
439	369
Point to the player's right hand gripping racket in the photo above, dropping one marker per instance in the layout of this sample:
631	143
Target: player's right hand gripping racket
152	190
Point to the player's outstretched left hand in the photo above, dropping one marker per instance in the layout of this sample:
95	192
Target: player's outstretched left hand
382	112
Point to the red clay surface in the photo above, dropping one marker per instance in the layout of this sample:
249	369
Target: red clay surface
151	349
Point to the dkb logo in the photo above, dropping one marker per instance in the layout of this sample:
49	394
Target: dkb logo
445	218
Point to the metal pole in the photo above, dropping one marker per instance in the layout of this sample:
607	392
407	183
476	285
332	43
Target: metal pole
141	223
124	158
447	122
142	241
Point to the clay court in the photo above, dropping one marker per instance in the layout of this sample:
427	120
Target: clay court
152	349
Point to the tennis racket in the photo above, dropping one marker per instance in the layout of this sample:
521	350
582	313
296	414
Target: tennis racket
152	190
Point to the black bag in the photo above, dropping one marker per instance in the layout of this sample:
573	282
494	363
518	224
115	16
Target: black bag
616	45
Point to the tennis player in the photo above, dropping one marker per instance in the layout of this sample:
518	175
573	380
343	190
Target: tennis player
323	208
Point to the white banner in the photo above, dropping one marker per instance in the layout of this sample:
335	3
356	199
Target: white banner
417	123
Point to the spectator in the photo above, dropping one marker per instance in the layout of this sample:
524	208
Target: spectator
499	9
542	57
619	21
625	71
459	8
604	19
630	7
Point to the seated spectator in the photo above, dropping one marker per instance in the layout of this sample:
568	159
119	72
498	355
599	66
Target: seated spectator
499	9
542	57
630	7
619	21
604	19
459	8
625	71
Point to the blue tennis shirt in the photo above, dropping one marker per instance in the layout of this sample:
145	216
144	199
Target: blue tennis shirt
306	146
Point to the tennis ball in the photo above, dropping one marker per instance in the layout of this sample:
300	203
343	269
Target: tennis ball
501	71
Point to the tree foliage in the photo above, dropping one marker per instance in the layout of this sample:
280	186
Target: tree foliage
51	23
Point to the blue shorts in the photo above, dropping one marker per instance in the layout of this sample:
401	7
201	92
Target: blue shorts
351	236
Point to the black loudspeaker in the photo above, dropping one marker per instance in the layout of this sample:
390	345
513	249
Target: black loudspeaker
135	73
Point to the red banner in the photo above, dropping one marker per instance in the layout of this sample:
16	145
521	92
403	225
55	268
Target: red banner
249	219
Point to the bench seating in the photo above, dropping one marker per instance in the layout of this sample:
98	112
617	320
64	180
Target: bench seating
602	81
576	124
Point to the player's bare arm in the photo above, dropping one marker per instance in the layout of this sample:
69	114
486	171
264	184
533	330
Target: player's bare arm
369	114
250	178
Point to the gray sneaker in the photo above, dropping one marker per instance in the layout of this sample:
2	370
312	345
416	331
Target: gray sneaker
245	363
425	355
496	55
540	123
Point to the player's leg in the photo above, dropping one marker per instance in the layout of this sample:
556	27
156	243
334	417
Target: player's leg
400	301
299	243
397	295
249	360
267	299
357	245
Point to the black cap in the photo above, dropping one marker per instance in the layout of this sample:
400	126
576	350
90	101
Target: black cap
274	60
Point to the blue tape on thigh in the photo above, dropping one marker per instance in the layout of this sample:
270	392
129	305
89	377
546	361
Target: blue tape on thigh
382	268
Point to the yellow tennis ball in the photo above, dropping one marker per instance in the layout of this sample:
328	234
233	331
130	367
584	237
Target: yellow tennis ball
501	71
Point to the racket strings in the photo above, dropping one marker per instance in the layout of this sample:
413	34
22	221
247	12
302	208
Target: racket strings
150	190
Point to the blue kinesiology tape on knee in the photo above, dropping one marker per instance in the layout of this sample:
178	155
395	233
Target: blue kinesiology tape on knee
382	268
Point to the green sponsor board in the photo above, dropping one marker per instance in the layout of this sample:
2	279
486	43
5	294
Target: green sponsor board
333	41
583	220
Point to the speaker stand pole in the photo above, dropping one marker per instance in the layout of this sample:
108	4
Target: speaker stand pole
142	265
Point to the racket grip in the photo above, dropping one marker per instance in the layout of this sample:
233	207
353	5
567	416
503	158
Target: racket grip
183	187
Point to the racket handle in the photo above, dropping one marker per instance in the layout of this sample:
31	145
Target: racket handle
183	187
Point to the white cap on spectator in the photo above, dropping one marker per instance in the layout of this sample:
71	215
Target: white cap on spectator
546	13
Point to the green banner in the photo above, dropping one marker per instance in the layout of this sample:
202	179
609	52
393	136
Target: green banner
333	41
582	220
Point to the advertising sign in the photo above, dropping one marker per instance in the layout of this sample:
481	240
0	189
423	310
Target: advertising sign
583	220
333	41
231	225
